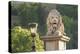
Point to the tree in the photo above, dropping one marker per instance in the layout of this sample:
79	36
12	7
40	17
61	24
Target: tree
69	10
71	29
22	41
28	13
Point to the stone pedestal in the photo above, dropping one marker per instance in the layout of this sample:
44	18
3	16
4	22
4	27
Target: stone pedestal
55	42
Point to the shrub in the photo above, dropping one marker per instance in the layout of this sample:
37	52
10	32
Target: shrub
22	41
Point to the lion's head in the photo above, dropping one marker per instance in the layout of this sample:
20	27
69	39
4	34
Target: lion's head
54	22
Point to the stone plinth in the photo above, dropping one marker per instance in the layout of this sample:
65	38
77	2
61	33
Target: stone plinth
55	42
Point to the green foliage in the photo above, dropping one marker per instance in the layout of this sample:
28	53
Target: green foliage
29	12
70	19
71	28
68	10
22	41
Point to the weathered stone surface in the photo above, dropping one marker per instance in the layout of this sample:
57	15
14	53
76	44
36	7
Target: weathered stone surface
55	42
54	23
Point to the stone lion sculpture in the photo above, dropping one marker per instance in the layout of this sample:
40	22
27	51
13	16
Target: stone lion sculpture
54	23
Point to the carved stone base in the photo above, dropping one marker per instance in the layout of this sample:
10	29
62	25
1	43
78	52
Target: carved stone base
55	42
